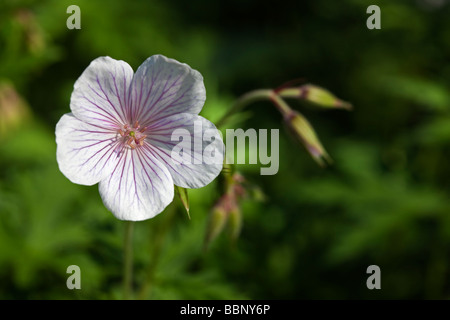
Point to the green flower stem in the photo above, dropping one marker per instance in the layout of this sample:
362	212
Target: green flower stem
128	260
256	95
294	93
252	96
282	106
157	238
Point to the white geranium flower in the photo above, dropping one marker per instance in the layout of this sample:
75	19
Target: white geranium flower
119	134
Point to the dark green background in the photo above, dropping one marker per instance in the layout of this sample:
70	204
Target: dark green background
384	201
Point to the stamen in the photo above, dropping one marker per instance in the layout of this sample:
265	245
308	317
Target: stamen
133	136
129	142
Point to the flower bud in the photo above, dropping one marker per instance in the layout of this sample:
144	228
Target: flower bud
227	209
216	223
235	223
302	130
317	95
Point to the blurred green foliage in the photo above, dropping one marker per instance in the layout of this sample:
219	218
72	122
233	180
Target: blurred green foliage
385	200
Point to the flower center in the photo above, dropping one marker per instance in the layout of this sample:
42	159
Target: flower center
133	136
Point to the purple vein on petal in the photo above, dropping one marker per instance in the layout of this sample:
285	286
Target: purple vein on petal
139	154
140	107
97	152
113	148
174	102
134	178
174	83
88	146
122	160
152	110
146	156
156	155
116	118
155	100
90	131
109	118
125	101
154	151
143	157
161	124
117	94
121	117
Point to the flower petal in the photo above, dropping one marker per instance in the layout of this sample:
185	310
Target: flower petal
190	135
139	188
85	153
100	94
162	87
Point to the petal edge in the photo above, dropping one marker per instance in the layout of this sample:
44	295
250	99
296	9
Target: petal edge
139	188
